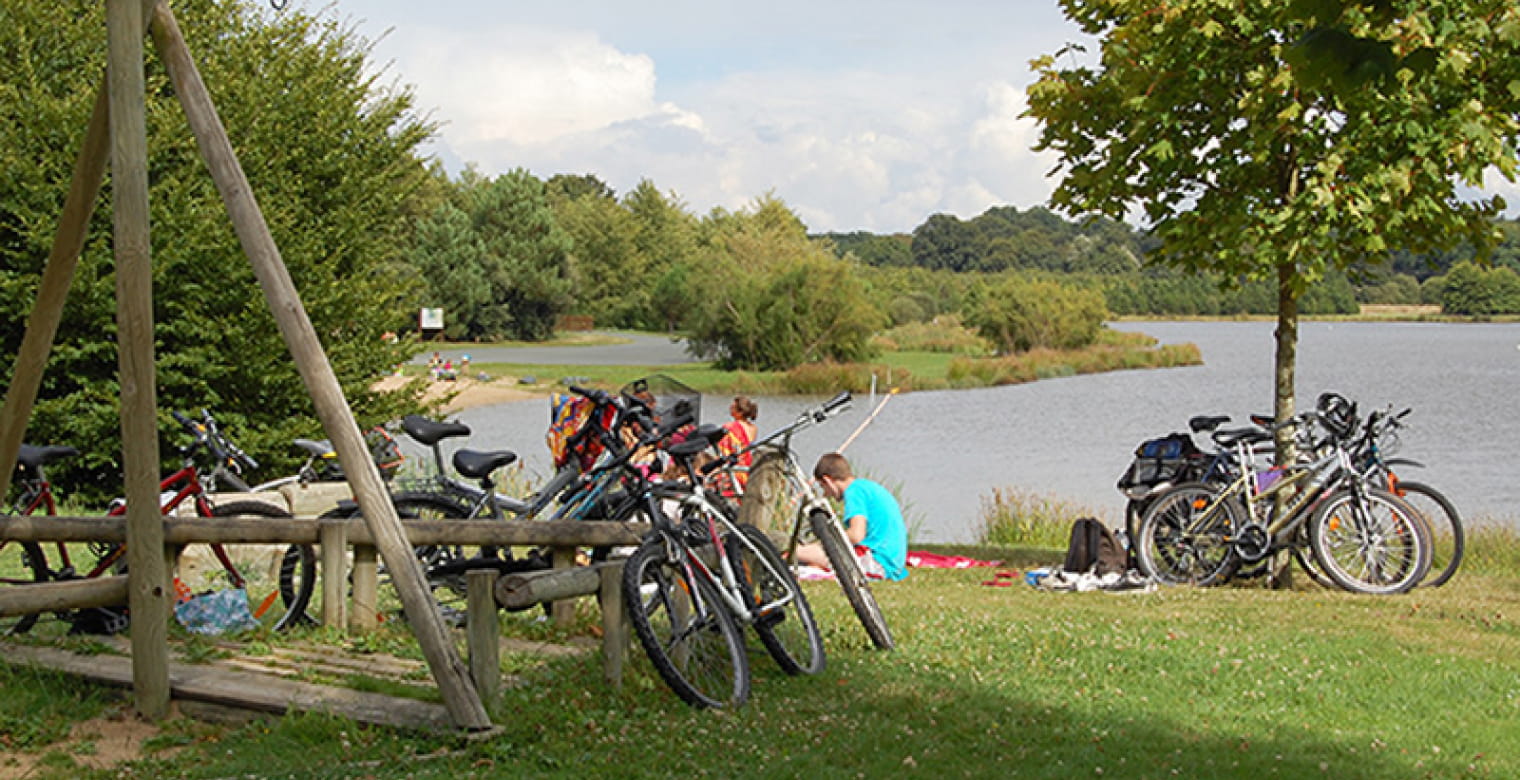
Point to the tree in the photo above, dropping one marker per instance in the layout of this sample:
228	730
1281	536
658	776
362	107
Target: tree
1018	314
666	235
769	298
333	159
1280	140
495	259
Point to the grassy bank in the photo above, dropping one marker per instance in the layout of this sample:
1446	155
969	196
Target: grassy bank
1233	682
909	369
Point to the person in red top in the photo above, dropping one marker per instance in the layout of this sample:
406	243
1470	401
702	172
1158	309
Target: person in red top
741	434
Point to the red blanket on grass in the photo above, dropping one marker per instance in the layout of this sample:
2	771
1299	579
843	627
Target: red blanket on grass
928	560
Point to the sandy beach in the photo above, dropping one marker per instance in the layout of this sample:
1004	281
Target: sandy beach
468	393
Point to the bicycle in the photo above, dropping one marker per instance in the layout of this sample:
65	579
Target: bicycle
1448	539
780	496
1363	539
278	587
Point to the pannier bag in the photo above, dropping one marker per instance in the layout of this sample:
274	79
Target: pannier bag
1158	461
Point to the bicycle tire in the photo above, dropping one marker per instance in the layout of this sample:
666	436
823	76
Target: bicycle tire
789	632
700	654
847	571
21	564
1448	541
770	502
1378	546
278	588
1177	546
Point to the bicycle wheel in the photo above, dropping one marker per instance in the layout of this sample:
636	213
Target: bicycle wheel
1379	545
788	630
1185	537
442	565
847	571
279	580
21	563
689	635
1447	539
771	499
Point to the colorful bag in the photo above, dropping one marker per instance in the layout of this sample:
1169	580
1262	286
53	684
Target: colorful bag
216	612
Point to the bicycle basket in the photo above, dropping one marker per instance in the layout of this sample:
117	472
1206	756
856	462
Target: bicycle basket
1157	461
665	396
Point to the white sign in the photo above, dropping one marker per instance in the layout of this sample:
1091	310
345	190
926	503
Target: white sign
431	319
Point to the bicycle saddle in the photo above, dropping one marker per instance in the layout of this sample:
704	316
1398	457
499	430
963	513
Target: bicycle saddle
32	456
700	439
1248	435
1203	423
428	432
477	464
318	449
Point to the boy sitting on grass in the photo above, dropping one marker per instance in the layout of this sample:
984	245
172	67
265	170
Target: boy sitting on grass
872	518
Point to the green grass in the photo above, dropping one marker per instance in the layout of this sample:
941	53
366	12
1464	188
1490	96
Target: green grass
1230	682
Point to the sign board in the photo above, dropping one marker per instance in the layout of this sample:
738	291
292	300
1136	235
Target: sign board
431	319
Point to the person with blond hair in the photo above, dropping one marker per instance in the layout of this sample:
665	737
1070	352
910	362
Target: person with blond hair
872	519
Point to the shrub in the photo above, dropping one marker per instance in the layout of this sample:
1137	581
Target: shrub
1019	518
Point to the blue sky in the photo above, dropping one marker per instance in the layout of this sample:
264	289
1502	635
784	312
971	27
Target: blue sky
858	115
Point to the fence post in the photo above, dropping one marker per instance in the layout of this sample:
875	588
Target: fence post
481	632
614	624
364	612
564	609
334	541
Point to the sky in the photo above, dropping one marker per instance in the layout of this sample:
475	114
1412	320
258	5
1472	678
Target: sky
858	115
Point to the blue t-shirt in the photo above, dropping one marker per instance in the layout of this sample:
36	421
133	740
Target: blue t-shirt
886	534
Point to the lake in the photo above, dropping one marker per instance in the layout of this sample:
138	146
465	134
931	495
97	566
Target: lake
943	452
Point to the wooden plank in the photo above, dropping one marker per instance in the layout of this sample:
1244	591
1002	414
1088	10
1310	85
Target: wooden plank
311	361
245	690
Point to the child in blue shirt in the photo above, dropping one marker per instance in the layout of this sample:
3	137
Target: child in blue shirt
872	518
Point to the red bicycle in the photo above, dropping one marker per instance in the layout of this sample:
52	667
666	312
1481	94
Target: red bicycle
279	579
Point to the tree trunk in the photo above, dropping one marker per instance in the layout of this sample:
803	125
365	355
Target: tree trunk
1283	401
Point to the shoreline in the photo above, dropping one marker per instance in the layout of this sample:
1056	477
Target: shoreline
467	393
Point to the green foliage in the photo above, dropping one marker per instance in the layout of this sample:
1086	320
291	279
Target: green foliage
769	298
495	259
1018	314
944	334
1167	292
1011	517
331	156
1470	290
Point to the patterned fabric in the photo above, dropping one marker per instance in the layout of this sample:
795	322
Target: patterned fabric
217	612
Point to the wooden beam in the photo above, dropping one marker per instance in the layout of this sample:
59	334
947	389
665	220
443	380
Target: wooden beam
363	612
614	624
148	594
305	530
42	324
63	595
338	422
524	589
334	575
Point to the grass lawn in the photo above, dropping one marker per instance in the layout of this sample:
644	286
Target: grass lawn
986	682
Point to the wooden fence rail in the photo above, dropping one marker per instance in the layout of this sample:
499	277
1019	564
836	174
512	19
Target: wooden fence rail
307	530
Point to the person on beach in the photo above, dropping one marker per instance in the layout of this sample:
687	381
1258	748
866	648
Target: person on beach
873	521
741	434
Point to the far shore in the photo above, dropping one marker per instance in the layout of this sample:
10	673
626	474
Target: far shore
468	392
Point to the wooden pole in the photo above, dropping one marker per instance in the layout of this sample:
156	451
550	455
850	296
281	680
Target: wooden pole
363	613
459	694
42	324
334	578
482	632
63	595
148	596
614	623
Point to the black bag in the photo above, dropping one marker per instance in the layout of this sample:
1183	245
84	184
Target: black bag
1094	548
1157	461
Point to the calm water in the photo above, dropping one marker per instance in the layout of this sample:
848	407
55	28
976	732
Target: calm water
943	452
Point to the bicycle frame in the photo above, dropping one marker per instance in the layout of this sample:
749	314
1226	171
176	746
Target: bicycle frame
718	527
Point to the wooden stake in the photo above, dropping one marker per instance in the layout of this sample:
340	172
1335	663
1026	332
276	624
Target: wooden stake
453	678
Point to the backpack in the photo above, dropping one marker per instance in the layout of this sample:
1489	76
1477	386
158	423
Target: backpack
1094	548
